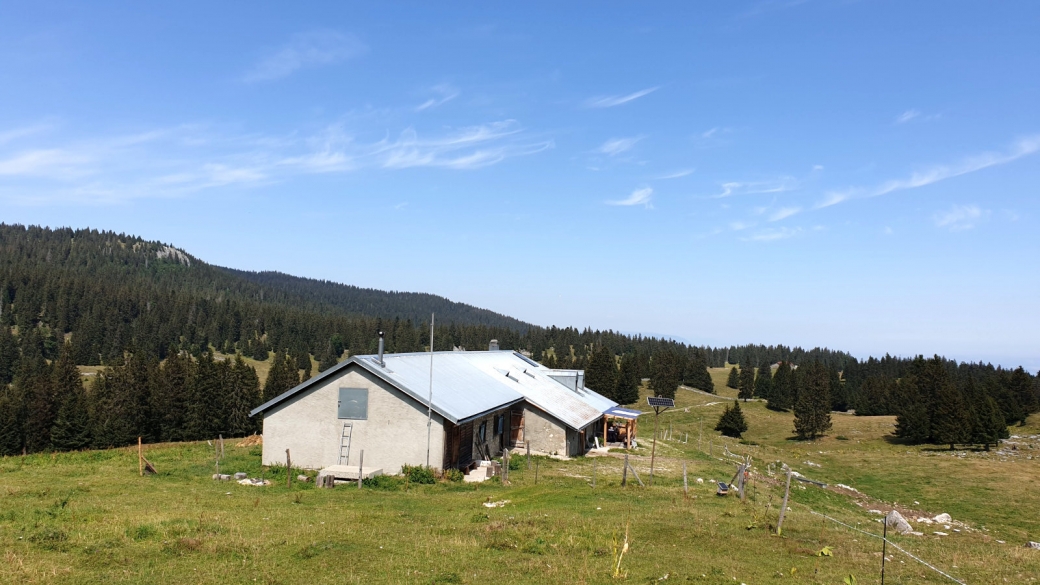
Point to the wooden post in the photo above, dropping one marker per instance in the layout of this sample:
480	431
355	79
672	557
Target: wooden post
700	433
361	469
685	485
740	481
624	472
783	506
604	432
528	454
636	475
288	470
535	472
711	447
221	437
140	458
884	549
505	466
593	474
653	449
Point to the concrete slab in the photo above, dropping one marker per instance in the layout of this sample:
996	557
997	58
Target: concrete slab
349	471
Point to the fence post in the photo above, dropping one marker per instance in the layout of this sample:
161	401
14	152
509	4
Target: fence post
624	472
685	485
361	469
783	506
528	443
288	470
593	474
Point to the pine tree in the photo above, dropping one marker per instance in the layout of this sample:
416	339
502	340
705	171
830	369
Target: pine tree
812	412
204	400
781	396
733	381
839	392
746	382
732	422
170	397
764	380
12	420
242	396
1021	386
34	381
628	380
602	373
665	373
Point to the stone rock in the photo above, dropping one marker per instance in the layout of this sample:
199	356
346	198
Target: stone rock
241	475
700	480
942	519
302	478
1033	545
940	533
895	520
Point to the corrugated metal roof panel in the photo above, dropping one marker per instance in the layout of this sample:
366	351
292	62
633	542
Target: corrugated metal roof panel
468	383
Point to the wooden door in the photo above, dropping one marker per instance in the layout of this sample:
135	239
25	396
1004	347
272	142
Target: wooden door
516	428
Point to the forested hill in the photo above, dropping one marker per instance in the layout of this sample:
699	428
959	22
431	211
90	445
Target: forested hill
116	292
325	295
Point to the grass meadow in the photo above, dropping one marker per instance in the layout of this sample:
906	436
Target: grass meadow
89	518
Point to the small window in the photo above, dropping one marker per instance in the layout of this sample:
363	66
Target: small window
482	433
353	403
499	424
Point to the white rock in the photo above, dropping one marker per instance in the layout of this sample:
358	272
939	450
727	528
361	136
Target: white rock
1033	545
917	533
895	520
943	518
875	511
937	533
700	480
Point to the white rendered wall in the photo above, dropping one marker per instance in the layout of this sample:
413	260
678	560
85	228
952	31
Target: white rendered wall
394	433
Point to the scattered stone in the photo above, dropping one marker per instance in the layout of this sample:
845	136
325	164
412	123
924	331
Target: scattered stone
302	478
497	504
917	533
221	477
895	520
846	487
937	533
1033	545
255	481
942	519
925	520
700	480
241	475
1002	541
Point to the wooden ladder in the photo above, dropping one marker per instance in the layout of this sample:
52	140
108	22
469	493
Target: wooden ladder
344	444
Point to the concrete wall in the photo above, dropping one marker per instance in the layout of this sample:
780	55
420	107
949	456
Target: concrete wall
495	442
393	435
545	433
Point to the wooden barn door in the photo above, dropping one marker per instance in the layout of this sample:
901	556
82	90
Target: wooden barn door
516	428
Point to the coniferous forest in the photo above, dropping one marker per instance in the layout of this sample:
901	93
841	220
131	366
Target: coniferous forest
170	334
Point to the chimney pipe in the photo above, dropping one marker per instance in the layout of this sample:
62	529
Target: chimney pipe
381	362
493	346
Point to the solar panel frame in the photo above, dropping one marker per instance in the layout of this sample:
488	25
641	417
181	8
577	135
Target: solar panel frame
659	401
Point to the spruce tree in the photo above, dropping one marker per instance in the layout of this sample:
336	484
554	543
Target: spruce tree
764	380
171	395
912	423
1021	386
733	381
12	420
628	380
812	412
839	392
665	373
781	396
602	373
732	422
242	396
950	420
746	382
8	356
71	428
697	375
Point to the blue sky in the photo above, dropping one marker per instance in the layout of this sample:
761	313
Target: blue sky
858	175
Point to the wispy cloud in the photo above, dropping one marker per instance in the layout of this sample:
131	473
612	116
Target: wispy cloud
676	174
1019	149
772	235
616	146
444	92
638	197
960	217
741	225
907	116
777	185
784	213
616	100
182	160
305	50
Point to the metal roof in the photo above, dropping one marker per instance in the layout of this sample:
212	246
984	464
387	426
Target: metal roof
469	383
619	412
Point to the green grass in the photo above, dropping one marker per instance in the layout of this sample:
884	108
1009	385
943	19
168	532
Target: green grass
89	518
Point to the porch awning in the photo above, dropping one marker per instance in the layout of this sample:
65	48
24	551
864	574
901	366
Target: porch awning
626	413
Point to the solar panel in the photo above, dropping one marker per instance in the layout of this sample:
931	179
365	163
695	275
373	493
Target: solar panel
659	401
